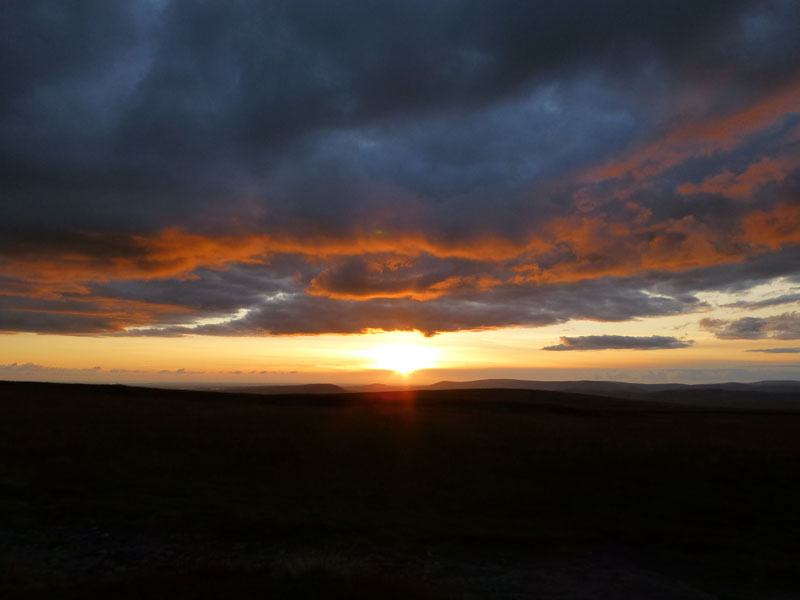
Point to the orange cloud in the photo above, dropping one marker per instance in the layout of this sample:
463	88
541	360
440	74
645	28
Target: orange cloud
702	137
595	248
742	186
772	229
412	288
566	249
176	253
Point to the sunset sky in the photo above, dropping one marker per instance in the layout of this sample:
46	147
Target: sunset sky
317	191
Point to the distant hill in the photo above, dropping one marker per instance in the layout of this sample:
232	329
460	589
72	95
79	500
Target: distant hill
771	394
311	388
613	386
380	387
760	394
763	394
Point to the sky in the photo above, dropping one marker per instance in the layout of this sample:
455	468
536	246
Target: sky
314	191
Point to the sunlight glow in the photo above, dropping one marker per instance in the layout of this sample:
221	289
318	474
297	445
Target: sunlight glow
403	358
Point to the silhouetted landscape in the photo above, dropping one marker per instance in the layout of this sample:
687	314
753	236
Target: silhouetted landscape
760	394
115	491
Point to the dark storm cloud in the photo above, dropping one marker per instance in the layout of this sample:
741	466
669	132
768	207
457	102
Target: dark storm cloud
619	342
343	64
339	167
137	95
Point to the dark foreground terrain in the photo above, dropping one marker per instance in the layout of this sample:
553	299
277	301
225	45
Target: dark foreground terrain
116	492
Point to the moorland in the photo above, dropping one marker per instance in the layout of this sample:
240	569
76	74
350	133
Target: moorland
127	492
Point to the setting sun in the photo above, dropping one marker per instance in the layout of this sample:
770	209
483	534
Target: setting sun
403	358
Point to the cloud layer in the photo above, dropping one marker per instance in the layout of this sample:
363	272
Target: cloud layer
779	327
777	350
242	168
619	342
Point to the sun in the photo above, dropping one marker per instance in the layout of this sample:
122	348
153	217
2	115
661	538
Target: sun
403	358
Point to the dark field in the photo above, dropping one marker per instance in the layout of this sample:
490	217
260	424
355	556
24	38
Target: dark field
107	491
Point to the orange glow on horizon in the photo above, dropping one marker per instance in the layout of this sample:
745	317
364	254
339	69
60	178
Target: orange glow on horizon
403	358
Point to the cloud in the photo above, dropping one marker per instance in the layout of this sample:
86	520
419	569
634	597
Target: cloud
564	249
619	342
775	228
779	327
777	350
743	185
706	135
294	311
776	301
524	164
